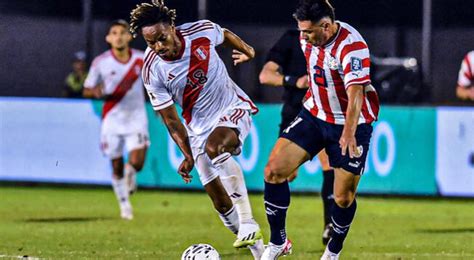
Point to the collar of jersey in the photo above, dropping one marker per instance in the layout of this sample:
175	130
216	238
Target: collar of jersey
335	38
183	46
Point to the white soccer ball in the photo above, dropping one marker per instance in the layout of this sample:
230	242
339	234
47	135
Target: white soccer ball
200	252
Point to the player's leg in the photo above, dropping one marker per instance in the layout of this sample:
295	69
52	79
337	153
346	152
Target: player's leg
347	175
209	176
112	146
327	194
137	145
343	210
225	140
288	114
299	142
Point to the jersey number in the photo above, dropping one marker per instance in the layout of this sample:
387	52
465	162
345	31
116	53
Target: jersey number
319	76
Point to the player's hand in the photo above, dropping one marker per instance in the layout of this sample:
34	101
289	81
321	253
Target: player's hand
302	82
98	91
471	93
239	57
348	142
185	168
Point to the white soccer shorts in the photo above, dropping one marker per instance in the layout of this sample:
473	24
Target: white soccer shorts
112	145
238	119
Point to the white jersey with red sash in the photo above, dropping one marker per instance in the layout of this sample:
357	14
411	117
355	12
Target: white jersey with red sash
197	80
333	68
124	107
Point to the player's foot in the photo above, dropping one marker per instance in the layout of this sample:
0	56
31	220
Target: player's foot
328	255
126	211
131	179
257	249
248	235
327	233
273	252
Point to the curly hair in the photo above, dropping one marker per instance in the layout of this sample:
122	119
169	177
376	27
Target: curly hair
150	13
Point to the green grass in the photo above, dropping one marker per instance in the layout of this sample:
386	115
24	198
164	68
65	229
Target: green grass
73	223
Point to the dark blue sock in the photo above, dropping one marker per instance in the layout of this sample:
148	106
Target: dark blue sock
277	200
327	194
341	219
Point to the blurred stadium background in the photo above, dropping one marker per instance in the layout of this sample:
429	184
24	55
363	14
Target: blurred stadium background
419	180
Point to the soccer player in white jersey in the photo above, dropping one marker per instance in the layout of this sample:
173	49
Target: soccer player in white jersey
339	108
465	88
183	67
115	77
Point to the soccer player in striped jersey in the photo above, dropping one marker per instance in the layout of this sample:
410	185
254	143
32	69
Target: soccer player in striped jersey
337	113
182	67
465	88
115	77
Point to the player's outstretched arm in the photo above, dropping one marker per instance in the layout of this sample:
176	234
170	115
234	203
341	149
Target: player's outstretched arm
242	51
180	137
355	94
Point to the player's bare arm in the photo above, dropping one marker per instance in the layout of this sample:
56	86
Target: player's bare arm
271	76
242	51
180	136
348	141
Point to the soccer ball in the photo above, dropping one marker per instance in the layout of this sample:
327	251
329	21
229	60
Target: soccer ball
200	252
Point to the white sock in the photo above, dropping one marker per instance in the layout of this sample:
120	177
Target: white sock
129	170
121	191
230	220
233	180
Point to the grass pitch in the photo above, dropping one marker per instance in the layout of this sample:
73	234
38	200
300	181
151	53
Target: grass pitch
73	223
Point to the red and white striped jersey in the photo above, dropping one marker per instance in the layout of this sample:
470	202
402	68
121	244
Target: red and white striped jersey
124	109
466	73
197	80
333	68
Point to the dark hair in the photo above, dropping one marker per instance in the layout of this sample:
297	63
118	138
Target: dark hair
314	10
150	13
120	22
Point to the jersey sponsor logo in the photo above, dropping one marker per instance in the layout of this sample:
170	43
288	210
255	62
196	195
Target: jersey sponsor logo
201	53
356	64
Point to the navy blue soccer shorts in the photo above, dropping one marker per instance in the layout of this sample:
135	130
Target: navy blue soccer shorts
313	134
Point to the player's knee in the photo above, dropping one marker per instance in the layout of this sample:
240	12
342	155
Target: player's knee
137	165
275	172
212	150
343	200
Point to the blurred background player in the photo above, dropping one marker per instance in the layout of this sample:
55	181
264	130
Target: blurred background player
74	82
286	67
337	115
465	88
182	66
115	77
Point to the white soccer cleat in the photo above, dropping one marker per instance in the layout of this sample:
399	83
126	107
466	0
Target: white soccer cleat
131	179
248	235
126	211
257	249
273	252
328	255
